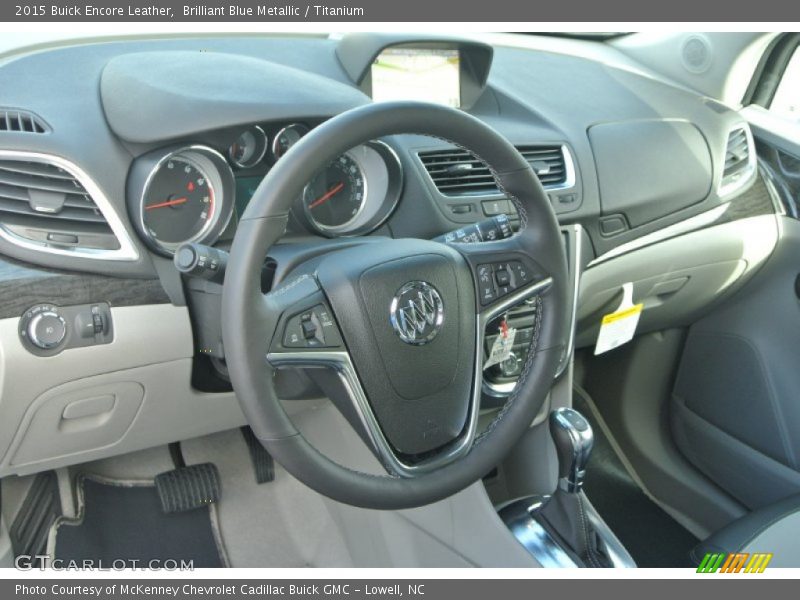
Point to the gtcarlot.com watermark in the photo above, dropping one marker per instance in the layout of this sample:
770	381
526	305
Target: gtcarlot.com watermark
26	562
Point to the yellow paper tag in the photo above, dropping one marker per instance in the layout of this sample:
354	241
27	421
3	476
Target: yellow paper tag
623	314
619	327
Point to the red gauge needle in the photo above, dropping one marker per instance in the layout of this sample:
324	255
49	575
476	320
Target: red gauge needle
174	202
327	195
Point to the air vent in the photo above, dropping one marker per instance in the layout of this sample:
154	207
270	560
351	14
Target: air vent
21	121
737	153
740	162
458	173
45	206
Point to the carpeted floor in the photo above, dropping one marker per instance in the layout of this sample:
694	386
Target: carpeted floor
653	537
125	523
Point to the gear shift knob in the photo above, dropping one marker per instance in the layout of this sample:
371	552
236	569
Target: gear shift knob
574	439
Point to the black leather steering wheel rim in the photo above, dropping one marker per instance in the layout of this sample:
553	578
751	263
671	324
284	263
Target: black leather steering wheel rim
246	315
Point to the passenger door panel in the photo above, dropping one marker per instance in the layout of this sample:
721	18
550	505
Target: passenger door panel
734	412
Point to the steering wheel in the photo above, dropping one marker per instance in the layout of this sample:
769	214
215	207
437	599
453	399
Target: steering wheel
399	321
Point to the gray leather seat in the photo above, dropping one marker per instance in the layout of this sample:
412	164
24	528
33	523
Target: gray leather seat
774	528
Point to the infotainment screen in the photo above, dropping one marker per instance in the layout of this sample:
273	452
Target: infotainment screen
424	74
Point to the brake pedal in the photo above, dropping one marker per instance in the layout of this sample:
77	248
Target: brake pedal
263	464
188	488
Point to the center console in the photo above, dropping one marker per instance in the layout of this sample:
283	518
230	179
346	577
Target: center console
562	529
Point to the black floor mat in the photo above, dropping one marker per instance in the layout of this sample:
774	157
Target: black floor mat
653	538
41	508
122	522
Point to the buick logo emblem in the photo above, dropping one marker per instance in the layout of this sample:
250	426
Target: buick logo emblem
417	312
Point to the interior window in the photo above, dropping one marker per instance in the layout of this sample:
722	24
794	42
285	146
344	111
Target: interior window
786	102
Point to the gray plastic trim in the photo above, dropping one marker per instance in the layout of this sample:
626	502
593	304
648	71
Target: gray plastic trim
127	250
153	348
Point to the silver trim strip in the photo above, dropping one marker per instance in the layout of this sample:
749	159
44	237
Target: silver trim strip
532	536
341	362
569	168
577	231
520	518
503	390
745	177
691	224
127	250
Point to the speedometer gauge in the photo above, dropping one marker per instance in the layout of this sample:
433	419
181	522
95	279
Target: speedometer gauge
186	197
355	193
335	197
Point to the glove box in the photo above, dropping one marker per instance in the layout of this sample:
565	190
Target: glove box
74	417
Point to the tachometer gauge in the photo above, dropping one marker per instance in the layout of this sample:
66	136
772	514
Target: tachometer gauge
286	138
186	195
250	147
335	197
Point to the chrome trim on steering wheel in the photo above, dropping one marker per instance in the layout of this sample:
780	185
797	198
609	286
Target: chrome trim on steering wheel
504	390
341	362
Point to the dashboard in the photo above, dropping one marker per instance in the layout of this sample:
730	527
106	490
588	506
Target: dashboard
139	103
110	165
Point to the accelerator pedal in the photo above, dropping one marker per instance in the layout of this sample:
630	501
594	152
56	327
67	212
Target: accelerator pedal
263	464
188	487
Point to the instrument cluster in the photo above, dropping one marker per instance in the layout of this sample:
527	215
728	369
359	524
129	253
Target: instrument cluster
192	193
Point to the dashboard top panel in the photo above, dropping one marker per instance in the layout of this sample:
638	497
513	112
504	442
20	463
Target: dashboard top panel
208	90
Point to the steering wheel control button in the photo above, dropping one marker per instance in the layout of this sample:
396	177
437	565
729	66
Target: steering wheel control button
47	330
502	277
486	284
499	279
522	275
313	328
309	329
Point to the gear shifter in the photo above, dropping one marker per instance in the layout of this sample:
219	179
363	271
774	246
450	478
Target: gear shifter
574	439
564	529
565	515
